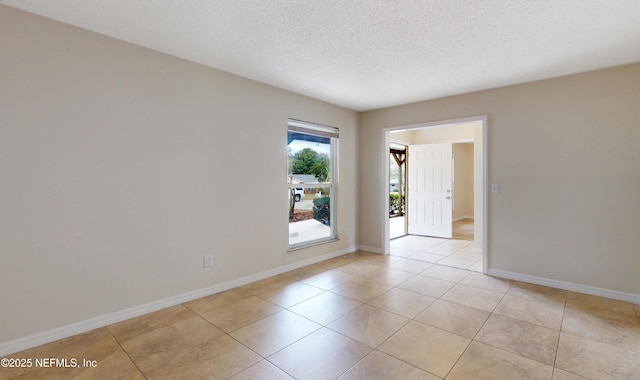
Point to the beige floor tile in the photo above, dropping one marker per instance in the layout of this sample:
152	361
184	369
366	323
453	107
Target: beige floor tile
483	362
325	308
426	257
161	344
379	259
219	358
538	293
214	301
403	252
304	272
132	327
397	242
456	263
411	266
380	366
336	262
536	312
483	281
319	267
465	255
595	360
355	268
420	243
458	319
403	302
262	371
522	338
329	279
117	365
267	284
369	325
274	332
559	374
477	266
357	255
241	313
604	307
325	354
137	376
429	286
620	333
99	345
361	290
473	297
446	273
291	294
386	275
448	247
426	347
470	248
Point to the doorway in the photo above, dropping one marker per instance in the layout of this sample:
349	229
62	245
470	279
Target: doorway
397	190
468	137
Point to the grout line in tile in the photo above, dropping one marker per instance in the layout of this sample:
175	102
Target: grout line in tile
281	369
127	353
564	309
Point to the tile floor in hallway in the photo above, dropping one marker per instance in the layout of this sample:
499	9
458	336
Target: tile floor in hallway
424	312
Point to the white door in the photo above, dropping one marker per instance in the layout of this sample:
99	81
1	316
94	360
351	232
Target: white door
430	198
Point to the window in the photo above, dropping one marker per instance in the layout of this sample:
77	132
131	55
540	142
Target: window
311	181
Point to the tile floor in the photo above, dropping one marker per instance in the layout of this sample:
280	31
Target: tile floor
424	312
462	229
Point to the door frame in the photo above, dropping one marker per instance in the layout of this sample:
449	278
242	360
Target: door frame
484	246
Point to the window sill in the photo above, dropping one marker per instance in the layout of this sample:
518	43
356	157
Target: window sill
312	243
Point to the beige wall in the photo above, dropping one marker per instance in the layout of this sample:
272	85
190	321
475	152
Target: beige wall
121	167
447	133
405	138
565	153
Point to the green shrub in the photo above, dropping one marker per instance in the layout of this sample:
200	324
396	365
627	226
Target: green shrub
394	207
322	210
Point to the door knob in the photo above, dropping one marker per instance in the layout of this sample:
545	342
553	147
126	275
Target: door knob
448	197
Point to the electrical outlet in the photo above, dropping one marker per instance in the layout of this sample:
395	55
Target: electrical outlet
208	261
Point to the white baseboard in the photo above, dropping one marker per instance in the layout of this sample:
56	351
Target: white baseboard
370	249
586	289
49	336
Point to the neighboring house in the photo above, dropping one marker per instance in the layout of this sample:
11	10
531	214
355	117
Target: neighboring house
304	179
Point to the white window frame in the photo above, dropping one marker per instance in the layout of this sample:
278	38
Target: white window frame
314	129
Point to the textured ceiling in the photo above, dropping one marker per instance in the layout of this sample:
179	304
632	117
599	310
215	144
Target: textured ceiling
368	54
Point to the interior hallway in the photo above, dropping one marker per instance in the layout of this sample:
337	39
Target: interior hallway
423	312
